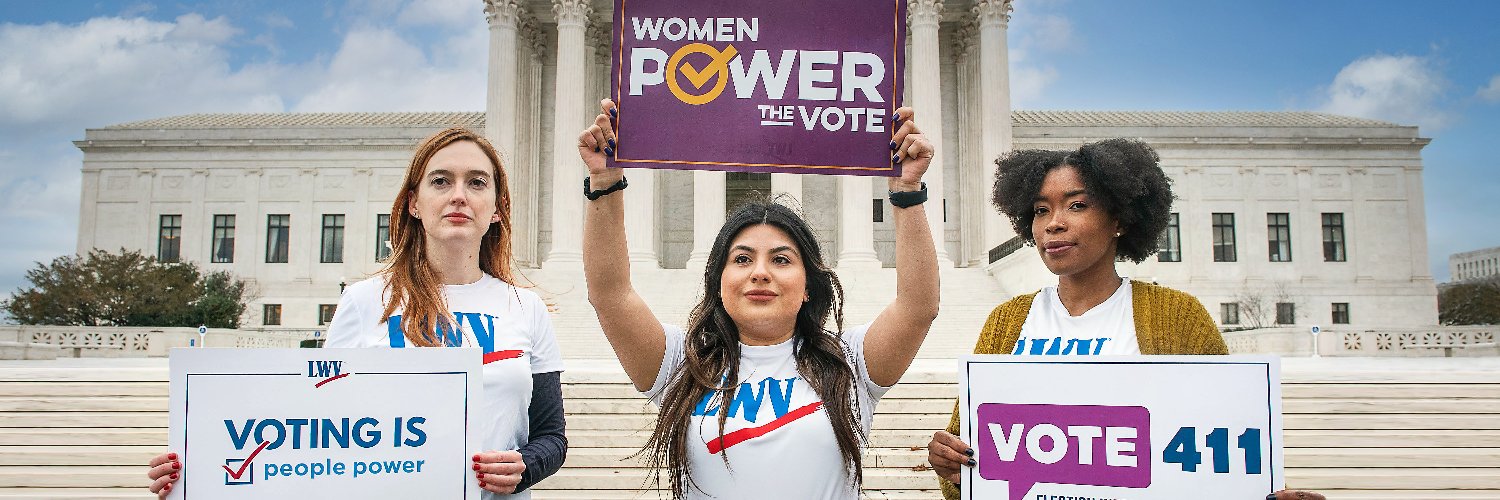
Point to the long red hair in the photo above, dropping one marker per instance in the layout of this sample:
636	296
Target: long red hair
411	284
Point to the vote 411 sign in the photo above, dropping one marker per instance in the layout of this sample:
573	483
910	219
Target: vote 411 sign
1134	427
324	423
764	86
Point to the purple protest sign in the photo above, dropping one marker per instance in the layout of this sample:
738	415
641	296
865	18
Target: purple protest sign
1064	444
765	86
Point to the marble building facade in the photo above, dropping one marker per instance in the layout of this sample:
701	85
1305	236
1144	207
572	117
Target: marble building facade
293	185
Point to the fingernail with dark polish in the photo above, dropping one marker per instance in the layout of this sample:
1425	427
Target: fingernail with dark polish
613	113
893	145
611	142
171	456
174	477
1271	496
176	465
970	463
476	458
969	452
609	151
896	159
596	150
476	466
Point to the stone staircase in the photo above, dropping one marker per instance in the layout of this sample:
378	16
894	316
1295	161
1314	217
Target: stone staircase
1356	428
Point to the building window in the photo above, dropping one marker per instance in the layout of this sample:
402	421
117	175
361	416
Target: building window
1279	237
270	314
1333	237
1171	242
169	239
1286	313
879	210
1229	313
382	237
1340	313
333	238
223	239
325	313
1224	238
278	228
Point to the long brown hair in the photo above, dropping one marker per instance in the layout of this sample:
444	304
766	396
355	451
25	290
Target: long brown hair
412	284
712	353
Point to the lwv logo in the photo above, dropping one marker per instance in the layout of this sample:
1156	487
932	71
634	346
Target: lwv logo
323	369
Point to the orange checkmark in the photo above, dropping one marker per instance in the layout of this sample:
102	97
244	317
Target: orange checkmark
719	63
244	466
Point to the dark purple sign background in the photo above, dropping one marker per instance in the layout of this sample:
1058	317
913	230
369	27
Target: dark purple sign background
658	130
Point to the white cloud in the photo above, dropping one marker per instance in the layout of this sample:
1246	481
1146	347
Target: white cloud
111	69
378	70
1491	92
1401	89
1039	35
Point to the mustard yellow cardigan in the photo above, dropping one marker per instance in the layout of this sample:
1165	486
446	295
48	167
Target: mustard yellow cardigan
1167	321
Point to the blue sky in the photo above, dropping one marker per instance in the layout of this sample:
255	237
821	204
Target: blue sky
67	65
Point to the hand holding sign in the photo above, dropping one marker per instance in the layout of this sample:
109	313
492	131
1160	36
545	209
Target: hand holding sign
165	470
499	471
912	152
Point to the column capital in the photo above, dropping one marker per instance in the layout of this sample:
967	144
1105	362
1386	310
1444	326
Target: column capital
503	13
532	34
964	39
992	12
572	12
597	36
924	12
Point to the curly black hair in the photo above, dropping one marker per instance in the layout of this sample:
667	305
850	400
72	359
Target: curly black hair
1122	174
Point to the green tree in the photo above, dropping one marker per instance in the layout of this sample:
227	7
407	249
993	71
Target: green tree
126	289
1470	303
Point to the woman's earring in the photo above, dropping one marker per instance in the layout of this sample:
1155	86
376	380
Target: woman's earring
1117	234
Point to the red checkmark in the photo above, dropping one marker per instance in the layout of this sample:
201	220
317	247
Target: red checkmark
244	466
749	433
501	355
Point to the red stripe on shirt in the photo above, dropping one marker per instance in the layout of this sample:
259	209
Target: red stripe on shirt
749	433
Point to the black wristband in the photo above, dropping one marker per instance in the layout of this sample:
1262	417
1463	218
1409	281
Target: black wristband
906	199
594	195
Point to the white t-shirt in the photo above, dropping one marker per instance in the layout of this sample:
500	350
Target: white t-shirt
511	326
1107	329
778	437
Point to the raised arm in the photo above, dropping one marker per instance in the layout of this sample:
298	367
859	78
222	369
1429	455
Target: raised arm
898	332
632	330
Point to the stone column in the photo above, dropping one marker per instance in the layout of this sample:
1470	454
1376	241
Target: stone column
993	17
640	217
856	230
708	215
789	184
501	127
927	101
974	175
569	108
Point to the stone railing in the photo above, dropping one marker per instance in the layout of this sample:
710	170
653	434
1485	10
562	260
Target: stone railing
1434	341
106	341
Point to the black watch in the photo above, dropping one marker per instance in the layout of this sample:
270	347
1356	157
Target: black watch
594	195
906	199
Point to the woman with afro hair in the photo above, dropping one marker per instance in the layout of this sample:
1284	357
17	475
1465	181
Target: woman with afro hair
1084	210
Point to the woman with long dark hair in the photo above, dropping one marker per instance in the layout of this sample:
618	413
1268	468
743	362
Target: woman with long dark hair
758	398
449	283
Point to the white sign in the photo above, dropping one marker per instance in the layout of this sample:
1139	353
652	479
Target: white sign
325	423
1134	427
